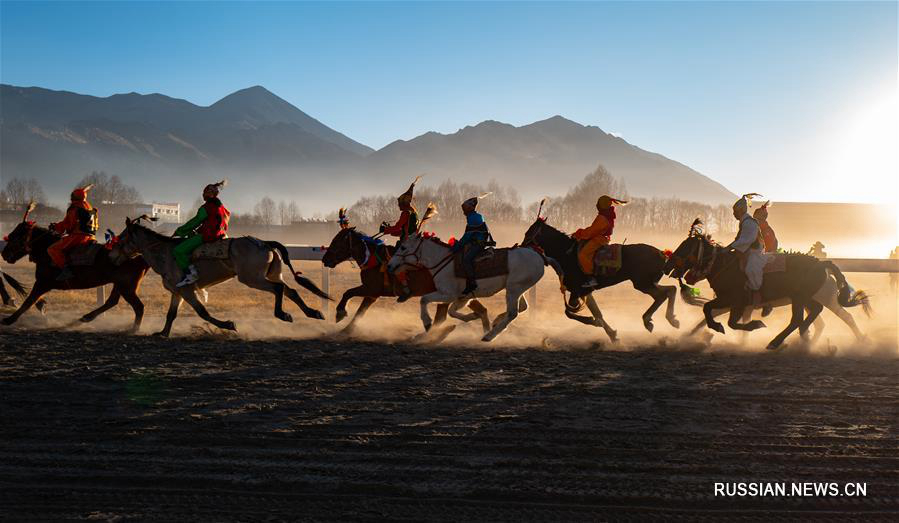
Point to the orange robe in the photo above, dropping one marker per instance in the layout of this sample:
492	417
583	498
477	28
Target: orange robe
597	234
74	235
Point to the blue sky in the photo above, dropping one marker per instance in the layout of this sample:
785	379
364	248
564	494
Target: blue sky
793	100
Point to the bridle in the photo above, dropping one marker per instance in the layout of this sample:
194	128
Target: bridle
416	254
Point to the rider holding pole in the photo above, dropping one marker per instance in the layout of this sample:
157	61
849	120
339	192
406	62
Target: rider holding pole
476	237
404	226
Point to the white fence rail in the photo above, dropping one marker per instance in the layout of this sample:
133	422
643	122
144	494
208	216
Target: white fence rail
313	253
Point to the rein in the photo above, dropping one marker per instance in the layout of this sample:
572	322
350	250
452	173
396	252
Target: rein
440	265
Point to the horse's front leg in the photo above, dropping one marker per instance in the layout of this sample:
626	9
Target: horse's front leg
170	316
438	297
190	296
37	291
671	291
598	319
708	310
344	300
367	302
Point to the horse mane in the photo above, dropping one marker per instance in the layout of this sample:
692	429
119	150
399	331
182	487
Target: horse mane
153	234
436	239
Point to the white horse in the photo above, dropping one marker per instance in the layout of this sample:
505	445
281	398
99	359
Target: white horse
525	270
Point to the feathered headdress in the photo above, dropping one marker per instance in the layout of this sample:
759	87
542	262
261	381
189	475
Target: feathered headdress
473	201
215	187
605	201
342	219
696	227
406	197
81	193
745	201
28	208
430	212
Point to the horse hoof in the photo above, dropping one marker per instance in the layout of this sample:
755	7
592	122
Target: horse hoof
674	322
161	334
286	317
717	327
85	319
339	316
6	321
315	315
229	325
648	325
613	335
756	324
774	346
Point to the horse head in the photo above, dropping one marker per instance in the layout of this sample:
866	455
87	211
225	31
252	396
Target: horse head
128	244
693	254
553	241
17	242
342	247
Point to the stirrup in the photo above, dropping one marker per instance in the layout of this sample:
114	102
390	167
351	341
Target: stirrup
590	283
189	279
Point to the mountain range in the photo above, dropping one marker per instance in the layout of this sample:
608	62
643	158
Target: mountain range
169	148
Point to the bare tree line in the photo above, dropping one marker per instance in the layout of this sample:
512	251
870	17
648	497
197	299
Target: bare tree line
575	209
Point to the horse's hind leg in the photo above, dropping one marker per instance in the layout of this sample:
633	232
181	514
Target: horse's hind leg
481	311
737	313
598	319
814	309
36	292
511	313
795	322
190	296
110	302
275	287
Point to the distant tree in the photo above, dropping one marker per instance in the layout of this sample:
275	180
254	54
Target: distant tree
288	212
19	191
110	189
266	211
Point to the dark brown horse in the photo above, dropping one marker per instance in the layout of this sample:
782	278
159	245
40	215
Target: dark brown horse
349	244
698	258
641	264
29	239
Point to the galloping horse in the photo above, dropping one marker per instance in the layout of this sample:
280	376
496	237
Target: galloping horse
256	264
698	257
350	244
640	263
29	239
525	269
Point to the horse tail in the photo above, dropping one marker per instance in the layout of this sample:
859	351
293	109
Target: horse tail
305	282
20	289
848	297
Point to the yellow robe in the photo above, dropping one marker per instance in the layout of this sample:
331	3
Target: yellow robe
597	236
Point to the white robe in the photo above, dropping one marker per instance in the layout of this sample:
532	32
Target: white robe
755	257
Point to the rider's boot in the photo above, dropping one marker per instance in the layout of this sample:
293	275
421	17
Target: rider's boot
405	295
65	274
590	283
190	277
471	285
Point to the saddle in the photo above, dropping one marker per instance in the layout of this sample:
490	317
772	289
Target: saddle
490	263
84	255
777	263
607	260
217	250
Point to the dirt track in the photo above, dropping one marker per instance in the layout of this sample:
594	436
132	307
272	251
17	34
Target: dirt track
106	427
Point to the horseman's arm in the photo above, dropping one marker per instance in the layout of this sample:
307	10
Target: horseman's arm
193	223
599	226
397	228
68	224
749	233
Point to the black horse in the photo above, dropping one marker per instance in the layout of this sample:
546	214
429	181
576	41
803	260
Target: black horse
640	263
29	239
698	258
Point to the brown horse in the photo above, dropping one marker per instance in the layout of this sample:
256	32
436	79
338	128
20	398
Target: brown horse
29	239
349	244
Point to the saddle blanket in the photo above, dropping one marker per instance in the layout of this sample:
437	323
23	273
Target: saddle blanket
493	262
217	250
607	259
84	255
777	263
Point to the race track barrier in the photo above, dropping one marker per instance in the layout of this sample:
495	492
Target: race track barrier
314	253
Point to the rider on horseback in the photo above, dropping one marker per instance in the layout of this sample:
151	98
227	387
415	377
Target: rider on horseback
599	233
210	224
477	237
406	224
748	245
78	227
768	237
